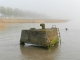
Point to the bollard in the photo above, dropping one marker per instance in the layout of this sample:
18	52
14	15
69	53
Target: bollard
43	26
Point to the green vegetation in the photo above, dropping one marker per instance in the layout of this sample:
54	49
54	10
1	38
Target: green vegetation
52	43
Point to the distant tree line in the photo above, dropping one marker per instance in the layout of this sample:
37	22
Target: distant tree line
7	12
12	12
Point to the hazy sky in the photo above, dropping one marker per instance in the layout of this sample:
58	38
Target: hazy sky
57	9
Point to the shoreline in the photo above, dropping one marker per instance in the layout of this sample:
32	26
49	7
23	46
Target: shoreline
3	22
31	21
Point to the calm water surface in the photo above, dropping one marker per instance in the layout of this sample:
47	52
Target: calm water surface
68	50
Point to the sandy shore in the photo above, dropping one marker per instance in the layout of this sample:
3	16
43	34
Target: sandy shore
30	21
4	21
2	26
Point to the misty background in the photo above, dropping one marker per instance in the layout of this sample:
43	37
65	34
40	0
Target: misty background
50	9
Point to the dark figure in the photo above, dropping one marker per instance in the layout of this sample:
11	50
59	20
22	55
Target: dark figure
66	28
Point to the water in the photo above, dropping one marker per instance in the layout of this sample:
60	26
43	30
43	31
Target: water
68	50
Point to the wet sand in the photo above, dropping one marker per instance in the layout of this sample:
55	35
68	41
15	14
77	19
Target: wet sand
2	26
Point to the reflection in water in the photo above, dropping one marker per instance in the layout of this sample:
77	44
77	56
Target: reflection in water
38	53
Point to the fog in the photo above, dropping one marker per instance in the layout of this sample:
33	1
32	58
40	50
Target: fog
56	9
